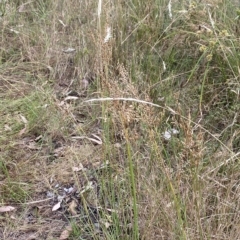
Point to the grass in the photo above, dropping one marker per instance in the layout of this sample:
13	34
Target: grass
126	113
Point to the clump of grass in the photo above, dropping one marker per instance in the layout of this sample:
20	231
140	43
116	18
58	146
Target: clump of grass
196	54
167	66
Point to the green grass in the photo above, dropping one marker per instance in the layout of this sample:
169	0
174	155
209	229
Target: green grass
183	56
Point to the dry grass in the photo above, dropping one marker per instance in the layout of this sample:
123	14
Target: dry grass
91	93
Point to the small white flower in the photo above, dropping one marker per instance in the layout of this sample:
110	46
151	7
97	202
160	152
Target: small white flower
174	131
167	135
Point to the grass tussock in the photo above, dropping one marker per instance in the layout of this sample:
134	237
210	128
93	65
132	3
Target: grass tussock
119	119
